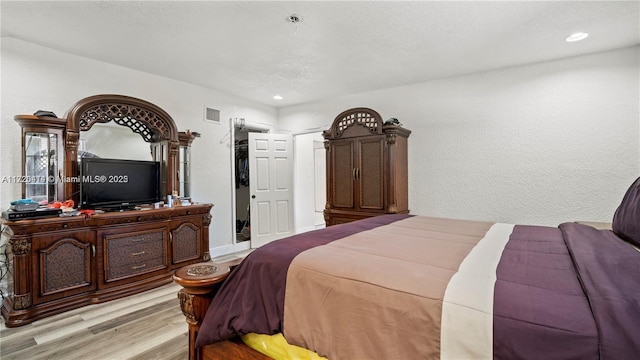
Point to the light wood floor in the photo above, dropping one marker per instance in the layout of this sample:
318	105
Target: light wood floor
149	325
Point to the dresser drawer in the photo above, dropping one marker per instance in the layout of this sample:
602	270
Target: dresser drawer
132	254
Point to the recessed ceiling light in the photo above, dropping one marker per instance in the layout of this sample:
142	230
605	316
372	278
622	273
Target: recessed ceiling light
277	97
576	37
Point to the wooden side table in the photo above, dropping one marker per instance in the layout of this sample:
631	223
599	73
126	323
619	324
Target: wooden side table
200	283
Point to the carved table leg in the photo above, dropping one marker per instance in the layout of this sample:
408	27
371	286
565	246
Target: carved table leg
200	283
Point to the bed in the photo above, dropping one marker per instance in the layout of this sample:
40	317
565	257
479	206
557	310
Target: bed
416	287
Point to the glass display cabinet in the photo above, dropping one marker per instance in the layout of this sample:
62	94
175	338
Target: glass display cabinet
42	157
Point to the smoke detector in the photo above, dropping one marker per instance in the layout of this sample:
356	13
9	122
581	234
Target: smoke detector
294	18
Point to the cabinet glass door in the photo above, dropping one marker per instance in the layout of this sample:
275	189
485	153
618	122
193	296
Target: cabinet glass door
41	166
184	171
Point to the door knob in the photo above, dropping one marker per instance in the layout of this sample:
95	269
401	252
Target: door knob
253	196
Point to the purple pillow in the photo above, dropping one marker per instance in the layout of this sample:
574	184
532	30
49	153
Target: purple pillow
626	220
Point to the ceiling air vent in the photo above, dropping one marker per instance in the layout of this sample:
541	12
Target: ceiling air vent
211	115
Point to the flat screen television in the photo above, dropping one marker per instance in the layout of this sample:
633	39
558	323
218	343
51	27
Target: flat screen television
115	184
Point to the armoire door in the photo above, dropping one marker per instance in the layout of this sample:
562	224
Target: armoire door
357	174
342	174
370	173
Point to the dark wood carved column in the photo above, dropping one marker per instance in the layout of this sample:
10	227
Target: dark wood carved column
20	246
71	189
172	167
397	172
206	221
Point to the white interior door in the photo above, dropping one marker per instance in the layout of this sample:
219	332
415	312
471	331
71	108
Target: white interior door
271	187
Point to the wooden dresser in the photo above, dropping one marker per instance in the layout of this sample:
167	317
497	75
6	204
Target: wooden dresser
63	263
367	168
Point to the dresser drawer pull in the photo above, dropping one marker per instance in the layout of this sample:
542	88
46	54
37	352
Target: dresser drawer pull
138	267
137	240
137	253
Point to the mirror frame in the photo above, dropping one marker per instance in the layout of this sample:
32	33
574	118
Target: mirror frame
153	124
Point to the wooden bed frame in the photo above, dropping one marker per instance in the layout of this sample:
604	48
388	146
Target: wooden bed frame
200	283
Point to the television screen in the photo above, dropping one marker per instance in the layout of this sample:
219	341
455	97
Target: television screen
114	183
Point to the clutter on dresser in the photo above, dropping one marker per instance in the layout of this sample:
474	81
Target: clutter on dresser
14	215
23	209
24	205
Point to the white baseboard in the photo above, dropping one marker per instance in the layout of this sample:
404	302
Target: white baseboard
246	245
229	249
221	250
241	246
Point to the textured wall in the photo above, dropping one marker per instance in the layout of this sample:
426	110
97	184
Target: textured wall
542	144
306	187
35	77
539	144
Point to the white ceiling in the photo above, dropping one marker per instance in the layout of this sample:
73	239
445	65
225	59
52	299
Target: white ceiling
251	50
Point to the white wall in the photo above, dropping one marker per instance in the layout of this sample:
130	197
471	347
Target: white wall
309	184
538	144
37	78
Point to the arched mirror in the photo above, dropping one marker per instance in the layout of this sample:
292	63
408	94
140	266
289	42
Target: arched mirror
116	118
111	140
102	126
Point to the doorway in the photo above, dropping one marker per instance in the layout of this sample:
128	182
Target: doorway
262	185
242	198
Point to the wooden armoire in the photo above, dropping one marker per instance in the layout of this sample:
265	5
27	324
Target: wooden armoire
367	168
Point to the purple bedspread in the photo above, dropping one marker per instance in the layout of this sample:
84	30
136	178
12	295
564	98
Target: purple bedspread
571	292
252	297
609	271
